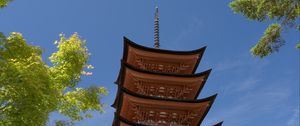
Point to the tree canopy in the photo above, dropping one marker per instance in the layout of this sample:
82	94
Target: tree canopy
4	3
283	12
30	89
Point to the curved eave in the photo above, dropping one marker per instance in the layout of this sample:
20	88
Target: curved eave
219	124
126	65
119	119
211	100
124	90
128	43
117	99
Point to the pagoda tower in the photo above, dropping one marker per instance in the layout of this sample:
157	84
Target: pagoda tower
158	87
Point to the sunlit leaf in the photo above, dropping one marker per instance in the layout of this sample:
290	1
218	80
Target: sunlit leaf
30	89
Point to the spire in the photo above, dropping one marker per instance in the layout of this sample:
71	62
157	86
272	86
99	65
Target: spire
156	29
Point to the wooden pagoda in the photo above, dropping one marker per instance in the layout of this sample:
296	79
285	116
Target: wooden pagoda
159	87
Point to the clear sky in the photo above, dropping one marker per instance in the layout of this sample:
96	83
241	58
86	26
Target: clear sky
252	91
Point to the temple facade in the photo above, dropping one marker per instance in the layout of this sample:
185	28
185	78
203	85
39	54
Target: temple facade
158	87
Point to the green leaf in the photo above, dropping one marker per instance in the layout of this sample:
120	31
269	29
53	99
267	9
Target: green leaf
4	3
30	89
270	42
284	12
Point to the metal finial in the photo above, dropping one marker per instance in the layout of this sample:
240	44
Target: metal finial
156	29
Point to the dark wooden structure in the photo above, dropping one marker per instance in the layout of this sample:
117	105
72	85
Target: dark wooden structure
159	87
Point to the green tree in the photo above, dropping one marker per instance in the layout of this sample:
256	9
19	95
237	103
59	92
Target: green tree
30	89
283	12
63	123
4	3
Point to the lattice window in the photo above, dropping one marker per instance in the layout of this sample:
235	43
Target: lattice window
167	67
150	115
160	89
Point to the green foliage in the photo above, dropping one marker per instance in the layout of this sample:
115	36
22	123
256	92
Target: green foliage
4	3
81	101
298	46
63	123
30	89
269	42
68	61
284	12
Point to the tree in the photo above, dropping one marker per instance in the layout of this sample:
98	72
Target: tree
4	3
30	89
63	123
283	12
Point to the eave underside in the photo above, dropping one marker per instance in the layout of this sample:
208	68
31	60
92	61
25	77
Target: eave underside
162	85
157	111
121	121
158	60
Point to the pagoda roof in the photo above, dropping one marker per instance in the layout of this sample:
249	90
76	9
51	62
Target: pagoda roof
219	124
176	86
147	110
182	62
121	121
160	87
133	44
130	66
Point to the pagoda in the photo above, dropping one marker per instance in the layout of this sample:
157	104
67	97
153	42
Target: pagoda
158	87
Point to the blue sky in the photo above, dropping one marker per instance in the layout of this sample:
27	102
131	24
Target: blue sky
252	91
